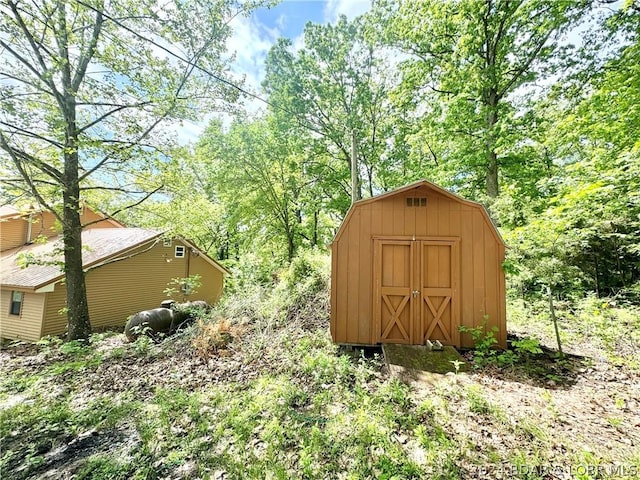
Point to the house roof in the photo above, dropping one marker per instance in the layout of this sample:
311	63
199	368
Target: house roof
8	211
206	257
99	244
412	186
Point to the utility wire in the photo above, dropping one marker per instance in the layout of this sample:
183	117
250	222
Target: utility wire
196	65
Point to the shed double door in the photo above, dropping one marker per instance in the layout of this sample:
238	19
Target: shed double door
416	290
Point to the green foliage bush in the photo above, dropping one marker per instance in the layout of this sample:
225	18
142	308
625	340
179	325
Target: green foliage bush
485	353
484	341
307	274
251	270
277	296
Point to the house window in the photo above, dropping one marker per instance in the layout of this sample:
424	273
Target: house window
180	249
166	242
16	303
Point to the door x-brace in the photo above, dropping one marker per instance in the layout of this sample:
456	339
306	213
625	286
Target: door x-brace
437	317
395	316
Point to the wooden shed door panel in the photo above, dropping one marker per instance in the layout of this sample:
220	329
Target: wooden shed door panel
393	286
416	291
439	279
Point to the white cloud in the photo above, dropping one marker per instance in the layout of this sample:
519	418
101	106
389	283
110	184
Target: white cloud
250	42
350	8
188	132
281	21
298	43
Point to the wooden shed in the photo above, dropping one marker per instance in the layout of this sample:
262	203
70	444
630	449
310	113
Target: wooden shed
415	264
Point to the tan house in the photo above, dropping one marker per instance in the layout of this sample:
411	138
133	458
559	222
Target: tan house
127	270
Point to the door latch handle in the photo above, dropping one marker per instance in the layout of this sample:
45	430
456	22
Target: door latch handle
415	293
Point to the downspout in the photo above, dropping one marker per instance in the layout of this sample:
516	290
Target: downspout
188	267
29	223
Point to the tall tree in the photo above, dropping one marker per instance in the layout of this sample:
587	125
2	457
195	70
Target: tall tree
255	171
86	86
466	60
337	86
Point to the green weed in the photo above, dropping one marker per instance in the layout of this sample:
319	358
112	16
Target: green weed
477	401
106	467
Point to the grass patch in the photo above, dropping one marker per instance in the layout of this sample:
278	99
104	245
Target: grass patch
276	399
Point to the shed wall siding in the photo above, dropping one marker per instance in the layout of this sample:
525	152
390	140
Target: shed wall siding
117	290
26	326
481	289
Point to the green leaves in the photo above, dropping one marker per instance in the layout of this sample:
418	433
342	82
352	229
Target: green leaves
337	84
89	94
466	64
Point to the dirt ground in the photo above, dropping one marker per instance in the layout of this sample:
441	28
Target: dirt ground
584	414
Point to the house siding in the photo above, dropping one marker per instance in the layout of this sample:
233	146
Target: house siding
55	319
13	231
27	325
119	289
211	280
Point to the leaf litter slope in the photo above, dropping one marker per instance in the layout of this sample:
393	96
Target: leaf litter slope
281	400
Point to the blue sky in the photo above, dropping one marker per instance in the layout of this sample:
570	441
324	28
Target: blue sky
290	16
254	35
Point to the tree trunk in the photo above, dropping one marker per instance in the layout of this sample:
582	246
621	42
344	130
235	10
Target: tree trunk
597	274
77	306
356	193
492	174
490	144
314	240
79	326
554	319
291	247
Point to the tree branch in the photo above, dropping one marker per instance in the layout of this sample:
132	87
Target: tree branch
109	113
36	51
87	55
27	178
26	133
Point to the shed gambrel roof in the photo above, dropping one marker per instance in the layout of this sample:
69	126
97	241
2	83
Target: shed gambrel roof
100	245
413	186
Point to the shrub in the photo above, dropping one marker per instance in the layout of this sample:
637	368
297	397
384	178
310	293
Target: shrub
212	337
484	340
305	282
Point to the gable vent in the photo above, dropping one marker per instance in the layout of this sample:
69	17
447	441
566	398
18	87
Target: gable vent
416	201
